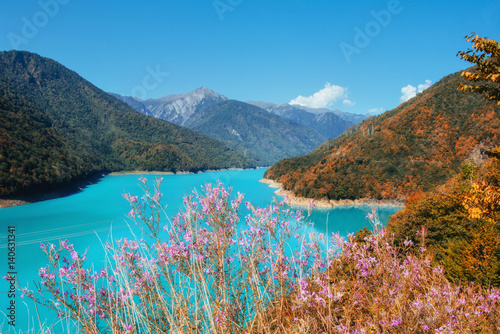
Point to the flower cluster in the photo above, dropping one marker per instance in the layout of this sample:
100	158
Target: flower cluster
204	270
375	287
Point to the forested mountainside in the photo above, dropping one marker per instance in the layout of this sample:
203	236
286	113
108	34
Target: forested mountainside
57	128
412	148
262	137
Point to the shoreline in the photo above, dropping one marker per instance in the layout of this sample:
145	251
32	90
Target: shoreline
292	199
65	190
180	172
80	185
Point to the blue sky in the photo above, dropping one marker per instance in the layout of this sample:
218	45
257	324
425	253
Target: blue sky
356	56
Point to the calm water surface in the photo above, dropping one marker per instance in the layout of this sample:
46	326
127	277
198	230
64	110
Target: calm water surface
98	214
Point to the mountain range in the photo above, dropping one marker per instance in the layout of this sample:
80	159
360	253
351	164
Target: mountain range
57	128
262	137
259	135
412	148
330	123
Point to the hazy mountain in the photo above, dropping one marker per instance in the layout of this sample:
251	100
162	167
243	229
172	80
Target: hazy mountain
326	123
349	117
414	147
258	134
289	110
57	128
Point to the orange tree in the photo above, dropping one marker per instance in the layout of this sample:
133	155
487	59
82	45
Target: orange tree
484	77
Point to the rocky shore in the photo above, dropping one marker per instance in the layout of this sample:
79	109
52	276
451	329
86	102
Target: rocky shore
301	201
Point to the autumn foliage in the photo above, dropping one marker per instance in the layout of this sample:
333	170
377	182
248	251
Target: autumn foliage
420	144
463	223
484	78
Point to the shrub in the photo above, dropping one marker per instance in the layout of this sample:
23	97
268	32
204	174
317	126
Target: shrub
463	221
207	272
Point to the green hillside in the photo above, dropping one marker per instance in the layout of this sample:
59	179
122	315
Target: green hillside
57	128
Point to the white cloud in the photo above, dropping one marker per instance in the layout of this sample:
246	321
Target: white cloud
323	98
410	91
423	87
376	111
348	103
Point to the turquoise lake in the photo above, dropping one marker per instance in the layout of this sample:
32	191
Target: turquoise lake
98	214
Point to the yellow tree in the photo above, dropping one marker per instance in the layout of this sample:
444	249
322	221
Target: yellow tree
485	75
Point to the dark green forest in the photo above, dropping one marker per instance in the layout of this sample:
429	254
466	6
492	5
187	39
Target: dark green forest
57	128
